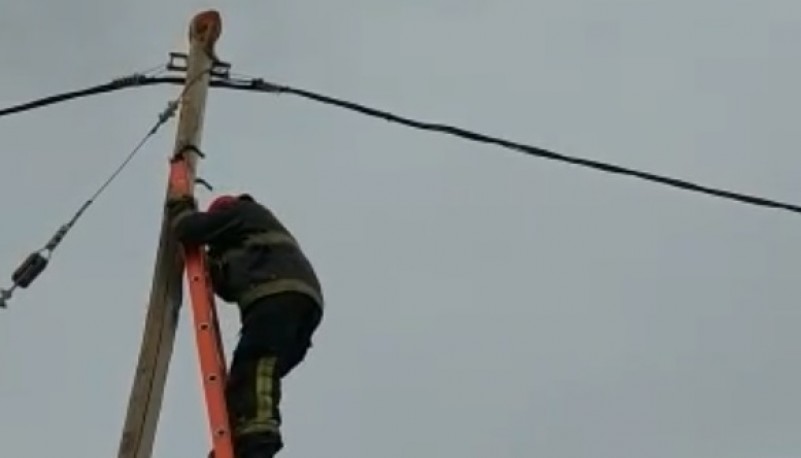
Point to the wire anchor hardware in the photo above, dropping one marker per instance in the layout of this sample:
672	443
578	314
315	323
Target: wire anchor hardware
178	63
36	262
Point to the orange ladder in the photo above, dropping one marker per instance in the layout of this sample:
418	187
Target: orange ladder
207	330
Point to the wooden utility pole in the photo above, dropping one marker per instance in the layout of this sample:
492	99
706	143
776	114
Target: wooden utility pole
166	296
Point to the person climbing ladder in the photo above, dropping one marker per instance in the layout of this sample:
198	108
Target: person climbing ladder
255	262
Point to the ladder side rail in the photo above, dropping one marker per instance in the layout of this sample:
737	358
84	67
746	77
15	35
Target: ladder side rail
210	352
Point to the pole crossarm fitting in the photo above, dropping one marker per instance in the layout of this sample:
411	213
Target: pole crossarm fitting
179	63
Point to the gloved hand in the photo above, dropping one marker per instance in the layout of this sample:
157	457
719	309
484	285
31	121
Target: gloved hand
180	204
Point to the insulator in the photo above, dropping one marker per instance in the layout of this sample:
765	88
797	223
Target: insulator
27	272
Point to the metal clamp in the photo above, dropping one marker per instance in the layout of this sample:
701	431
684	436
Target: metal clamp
204	183
5	295
181	153
179	63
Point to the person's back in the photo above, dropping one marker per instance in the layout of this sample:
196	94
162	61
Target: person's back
257	263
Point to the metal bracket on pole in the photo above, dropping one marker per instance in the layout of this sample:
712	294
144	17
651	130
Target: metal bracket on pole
178	63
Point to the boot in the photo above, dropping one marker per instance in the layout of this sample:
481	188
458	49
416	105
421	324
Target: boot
253	453
257	447
262	453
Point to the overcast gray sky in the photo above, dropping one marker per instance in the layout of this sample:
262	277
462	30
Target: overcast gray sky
480	303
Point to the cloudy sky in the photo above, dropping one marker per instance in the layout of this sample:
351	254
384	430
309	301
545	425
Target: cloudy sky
481	303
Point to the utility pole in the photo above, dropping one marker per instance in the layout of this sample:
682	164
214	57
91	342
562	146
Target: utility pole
144	404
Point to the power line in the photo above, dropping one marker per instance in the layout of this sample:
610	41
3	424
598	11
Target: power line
37	261
260	85
142	78
114	85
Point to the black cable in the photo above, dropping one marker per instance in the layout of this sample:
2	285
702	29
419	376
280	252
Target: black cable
263	86
114	85
259	85
126	82
37	261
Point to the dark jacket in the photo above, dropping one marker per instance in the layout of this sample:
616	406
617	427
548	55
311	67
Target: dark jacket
251	254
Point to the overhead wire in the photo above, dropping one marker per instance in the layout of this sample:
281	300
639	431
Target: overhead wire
146	77
260	85
36	262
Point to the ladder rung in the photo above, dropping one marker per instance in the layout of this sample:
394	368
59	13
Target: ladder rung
210	352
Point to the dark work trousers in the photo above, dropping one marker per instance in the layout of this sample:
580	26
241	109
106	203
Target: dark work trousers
275	336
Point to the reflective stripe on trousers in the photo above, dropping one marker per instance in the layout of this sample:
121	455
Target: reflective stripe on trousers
265	418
